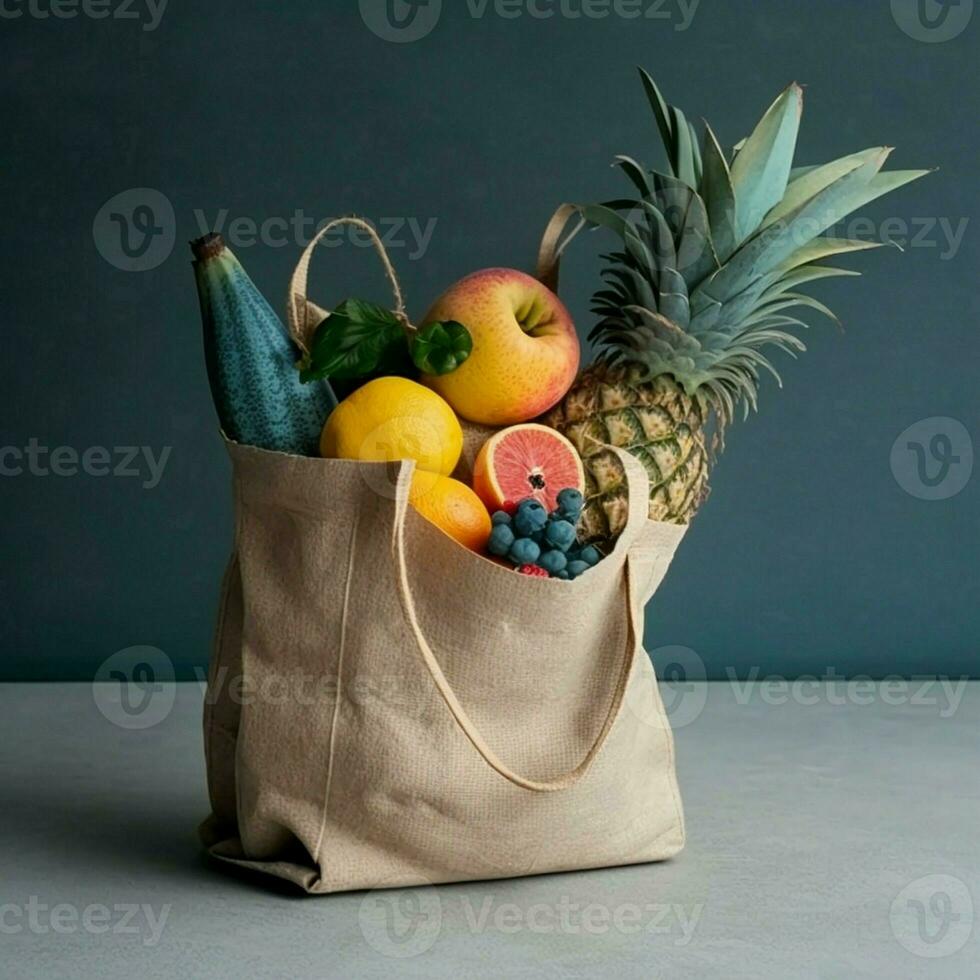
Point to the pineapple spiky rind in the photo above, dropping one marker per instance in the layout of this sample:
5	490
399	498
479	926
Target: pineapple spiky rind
712	255
656	422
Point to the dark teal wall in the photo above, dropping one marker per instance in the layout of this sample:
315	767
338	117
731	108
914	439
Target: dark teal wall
810	553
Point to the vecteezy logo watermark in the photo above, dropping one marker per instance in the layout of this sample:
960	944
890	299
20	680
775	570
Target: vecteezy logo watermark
148	12
401	922
135	231
299	229
62	461
680	696
401	21
39	918
932	21
933	916
682	683
933	458
134	688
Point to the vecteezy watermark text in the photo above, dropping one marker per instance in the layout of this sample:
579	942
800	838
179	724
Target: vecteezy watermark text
944	693
136	230
402	923
680	13
404	21
569	918
917	232
125	918
148	12
63	461
299	228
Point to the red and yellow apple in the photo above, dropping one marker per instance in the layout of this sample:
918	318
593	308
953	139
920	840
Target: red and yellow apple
525	350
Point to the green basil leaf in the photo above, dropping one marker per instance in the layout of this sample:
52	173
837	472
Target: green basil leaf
357	339
438	348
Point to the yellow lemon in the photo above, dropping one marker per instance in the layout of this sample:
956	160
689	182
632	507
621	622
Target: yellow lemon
394	418
452	506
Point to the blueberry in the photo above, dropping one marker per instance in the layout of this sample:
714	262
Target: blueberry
563	574
524	552
575	568
530	517
553	561
570	500
500	540
500	517
560	534
590	555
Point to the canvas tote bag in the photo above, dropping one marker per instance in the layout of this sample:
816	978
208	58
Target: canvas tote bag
386	708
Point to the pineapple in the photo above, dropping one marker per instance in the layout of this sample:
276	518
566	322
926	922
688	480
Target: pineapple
711	256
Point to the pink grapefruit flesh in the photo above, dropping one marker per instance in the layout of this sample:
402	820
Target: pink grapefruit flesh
529	460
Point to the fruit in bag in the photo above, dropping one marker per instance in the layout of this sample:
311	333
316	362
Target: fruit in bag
451	506
529	460
250	359
525	352
394	418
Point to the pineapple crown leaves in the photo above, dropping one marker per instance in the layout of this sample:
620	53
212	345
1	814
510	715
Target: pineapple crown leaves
714	251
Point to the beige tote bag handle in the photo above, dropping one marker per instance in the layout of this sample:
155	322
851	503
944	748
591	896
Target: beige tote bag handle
637	515
549	252
304	315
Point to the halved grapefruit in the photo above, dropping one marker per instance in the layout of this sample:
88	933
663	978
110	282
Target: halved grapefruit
529	460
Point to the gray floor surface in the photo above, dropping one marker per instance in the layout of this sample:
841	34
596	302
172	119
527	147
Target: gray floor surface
833	833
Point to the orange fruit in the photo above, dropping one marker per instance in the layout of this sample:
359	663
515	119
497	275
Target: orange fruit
529	460
451	506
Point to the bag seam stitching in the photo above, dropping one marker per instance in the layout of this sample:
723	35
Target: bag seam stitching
215	662
233	566
669	741
334	721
